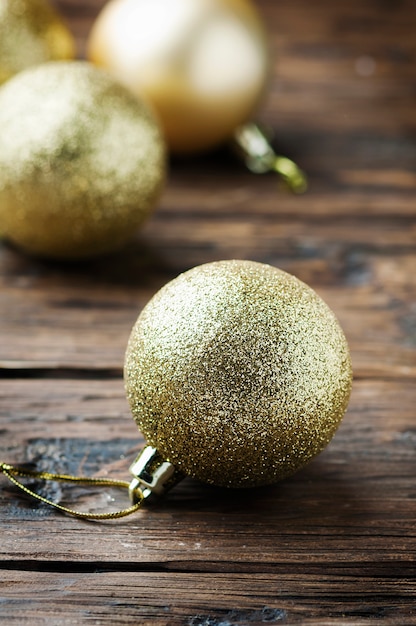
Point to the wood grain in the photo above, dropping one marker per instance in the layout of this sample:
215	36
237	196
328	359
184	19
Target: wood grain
336	543
161	598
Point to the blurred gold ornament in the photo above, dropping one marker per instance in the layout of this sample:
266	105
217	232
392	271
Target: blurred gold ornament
237	374
82	161
203	64
31	33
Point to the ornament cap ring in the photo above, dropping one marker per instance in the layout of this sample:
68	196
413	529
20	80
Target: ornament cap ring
153	475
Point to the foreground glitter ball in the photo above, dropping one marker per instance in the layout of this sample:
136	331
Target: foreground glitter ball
203	64
238	373
31	32
82	161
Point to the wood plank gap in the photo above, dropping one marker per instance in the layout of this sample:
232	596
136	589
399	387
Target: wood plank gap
66	373
75	567
380	569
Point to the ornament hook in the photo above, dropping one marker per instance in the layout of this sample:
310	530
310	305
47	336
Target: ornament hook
253	144
12	472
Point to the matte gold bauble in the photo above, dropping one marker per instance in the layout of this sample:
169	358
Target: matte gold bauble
203	64
237	373
82	161
31	33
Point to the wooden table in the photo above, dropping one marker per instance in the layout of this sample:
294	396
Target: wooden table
334	544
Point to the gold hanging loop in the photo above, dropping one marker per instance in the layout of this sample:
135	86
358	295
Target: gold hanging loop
13	472
254	146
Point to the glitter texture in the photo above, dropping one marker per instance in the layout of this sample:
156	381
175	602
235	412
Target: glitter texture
31	32
238	373
82	161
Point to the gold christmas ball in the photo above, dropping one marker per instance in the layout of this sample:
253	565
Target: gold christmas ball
82	161
238	373
203	64
31	33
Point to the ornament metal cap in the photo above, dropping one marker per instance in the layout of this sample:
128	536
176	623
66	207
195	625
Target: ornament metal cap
152	475
254	146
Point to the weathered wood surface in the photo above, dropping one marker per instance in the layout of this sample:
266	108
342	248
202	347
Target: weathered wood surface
335	544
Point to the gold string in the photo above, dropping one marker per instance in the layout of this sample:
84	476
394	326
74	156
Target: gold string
11	472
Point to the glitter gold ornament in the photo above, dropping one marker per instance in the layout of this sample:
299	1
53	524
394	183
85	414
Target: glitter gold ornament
203	64
31	33
237	374
82	161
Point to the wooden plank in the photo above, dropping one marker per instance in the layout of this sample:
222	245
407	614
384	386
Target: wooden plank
63	320
353	505
202	599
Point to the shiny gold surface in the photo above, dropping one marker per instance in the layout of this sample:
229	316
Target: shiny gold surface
238	373
203	64
82	161
31	32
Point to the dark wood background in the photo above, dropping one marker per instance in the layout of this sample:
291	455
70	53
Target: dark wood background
336	543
